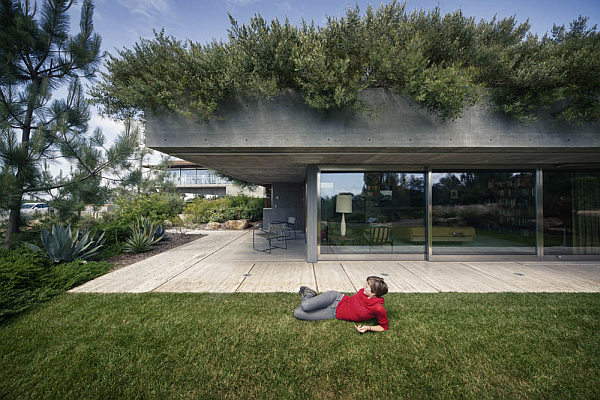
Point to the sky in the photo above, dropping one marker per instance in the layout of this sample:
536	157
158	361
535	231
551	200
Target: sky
121	23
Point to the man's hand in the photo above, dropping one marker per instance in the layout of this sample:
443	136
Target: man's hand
362	328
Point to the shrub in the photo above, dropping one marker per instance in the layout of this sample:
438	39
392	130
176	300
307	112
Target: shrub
28	278
219	210
22	279
68	275
156	206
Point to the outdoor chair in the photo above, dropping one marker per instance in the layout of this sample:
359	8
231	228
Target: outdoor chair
273	234
289	227
378	236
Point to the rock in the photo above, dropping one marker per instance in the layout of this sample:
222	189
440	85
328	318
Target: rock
236	224
213	225
183	217
168	224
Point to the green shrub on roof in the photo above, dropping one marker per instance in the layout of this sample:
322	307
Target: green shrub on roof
445	63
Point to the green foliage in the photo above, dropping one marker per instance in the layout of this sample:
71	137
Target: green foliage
27	278
38	56
22	278
63	245
202	210
445	63
156	206
144	234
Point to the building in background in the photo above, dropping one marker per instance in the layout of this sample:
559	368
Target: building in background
194	180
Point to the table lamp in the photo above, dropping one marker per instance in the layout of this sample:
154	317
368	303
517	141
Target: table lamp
344	206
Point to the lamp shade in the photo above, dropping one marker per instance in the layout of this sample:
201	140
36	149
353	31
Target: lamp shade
343	203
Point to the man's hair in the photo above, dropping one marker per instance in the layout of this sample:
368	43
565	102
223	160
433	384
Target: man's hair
377	285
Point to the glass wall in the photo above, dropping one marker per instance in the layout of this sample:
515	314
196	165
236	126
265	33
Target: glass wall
372	212
477	212
571	212
483	212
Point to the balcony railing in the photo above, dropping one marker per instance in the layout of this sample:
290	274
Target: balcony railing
201	180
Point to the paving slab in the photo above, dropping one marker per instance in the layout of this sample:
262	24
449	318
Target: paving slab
208	277
278	277
148	274
219	261
331	276
531	279
457	277
588	273
397	277
241	250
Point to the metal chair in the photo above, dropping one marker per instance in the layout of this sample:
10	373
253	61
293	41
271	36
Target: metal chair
275	232
289	227
379	235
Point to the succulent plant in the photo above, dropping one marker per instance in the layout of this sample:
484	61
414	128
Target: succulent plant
160	233
61	244
143	236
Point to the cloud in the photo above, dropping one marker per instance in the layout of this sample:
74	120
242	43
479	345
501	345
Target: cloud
148	10
110	128
240	3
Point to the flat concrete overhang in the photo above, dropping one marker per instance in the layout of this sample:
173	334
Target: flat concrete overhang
268	141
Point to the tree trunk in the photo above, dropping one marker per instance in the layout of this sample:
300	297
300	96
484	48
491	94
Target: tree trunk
13	221
15	205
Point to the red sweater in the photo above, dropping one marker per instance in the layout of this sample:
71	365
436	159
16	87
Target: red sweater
359	308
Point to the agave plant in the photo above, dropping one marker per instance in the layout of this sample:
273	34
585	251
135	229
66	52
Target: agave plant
160	233
61	244
143	236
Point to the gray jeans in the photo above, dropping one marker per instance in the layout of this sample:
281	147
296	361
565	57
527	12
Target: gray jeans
319	307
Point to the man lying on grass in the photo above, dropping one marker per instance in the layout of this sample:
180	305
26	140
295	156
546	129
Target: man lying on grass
367	303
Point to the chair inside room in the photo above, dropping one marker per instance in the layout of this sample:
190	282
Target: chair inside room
379	235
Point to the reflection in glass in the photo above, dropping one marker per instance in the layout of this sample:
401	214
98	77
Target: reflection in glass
386	213
571	212
483	213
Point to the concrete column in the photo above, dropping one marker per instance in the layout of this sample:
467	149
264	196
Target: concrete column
428	215
312	202
539	212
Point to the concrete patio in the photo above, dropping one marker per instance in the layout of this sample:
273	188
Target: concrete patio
224	262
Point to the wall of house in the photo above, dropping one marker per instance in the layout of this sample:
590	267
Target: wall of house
274	140
286	123
287	202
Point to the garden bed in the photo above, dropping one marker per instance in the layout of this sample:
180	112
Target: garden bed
173	240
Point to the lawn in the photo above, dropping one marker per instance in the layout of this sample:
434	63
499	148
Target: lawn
220	346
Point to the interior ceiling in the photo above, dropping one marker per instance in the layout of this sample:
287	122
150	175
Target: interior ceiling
265	168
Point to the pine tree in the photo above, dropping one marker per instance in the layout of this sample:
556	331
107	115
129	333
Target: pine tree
38	56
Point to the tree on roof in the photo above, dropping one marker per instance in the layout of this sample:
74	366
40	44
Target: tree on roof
445	63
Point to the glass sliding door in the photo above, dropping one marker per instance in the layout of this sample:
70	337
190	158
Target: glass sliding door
571	212
483	212
372	213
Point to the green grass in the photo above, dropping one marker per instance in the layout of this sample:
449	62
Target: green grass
236	346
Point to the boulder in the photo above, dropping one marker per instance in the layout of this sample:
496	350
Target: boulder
213	225
236	224
168	224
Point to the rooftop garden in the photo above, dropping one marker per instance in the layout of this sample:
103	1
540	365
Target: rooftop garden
445	63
